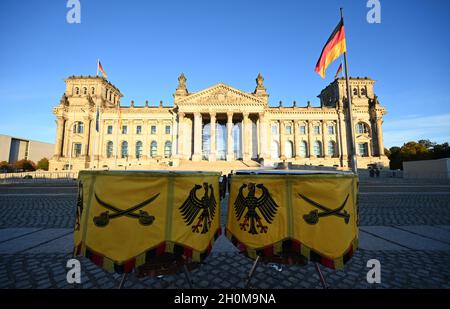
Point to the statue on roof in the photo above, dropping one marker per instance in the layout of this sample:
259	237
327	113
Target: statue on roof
182	81
260	90
259	81
181	89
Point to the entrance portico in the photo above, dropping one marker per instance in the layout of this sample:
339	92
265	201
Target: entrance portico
220	123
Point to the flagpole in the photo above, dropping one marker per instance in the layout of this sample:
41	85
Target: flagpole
350	110
71	142
117	134
98	63
93	140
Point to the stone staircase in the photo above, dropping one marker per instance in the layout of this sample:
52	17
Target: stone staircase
217	166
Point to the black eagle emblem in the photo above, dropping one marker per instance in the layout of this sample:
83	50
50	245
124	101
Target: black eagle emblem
79	206
265	205
205	206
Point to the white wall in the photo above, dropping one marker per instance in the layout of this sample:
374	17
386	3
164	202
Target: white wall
427	169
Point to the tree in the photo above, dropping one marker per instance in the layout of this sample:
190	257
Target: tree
25	165
427	143
42	164
5	166
413	151
440	151
395	159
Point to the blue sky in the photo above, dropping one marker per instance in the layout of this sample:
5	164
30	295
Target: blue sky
144	45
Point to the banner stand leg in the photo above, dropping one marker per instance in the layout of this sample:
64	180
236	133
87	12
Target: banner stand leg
122	281
187	276
321	277
252	272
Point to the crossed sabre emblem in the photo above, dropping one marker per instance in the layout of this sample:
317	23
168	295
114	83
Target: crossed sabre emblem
314	216
143	217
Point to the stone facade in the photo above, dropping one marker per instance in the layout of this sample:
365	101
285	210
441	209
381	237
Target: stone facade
219	123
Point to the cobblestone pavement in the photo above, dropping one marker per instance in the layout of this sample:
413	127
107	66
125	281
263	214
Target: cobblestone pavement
395	205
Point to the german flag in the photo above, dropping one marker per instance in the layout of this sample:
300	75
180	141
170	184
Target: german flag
334	47
101	69
339	70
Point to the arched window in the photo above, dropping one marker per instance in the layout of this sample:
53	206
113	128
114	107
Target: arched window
303	149
168	149
124	149
92	90
77	90
109	149
317	148
288	149
110	95
78	127
364	91
275	150
153	149
362	128
332	148
355	91
84	90
138	149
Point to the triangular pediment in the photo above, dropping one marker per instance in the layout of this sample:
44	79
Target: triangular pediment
221	94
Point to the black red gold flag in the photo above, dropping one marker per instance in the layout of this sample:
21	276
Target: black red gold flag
339	70
334	48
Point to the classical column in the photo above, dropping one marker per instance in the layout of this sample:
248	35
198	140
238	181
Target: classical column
297	140
86	144
310	140
212	125
197	137
59	136
325	139
380	137
263	137
338	140
180	149
282	139
68	136
230	152
145	142
246	137
343	138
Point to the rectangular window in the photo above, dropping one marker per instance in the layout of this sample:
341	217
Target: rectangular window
274	129
124	129
288	130
110	130
316	130
138	129
167	129
302	130
330	129
76	149
153	130
363	150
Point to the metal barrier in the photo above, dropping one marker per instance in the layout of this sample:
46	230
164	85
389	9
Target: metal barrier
37	177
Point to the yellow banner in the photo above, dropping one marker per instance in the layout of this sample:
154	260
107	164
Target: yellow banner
313	215
124	219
